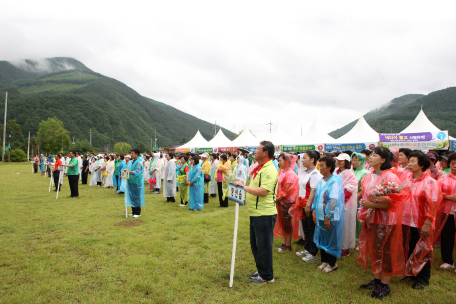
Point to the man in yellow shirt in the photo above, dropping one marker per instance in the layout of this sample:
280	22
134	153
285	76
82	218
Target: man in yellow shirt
260	199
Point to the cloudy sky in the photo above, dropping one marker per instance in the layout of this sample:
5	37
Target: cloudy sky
243	63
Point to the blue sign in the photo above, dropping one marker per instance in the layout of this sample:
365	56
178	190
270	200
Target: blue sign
252	149
343	147
441	135
453	145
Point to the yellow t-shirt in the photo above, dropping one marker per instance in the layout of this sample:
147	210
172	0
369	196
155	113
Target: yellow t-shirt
267	178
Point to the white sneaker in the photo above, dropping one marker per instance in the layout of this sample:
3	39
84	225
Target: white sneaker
322	266
302	253
446	266
136	215
329	269
181	205
310	258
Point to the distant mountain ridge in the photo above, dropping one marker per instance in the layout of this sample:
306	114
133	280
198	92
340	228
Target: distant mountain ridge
84	99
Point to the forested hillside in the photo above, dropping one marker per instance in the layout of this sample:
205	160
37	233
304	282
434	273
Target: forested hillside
391	107
83	99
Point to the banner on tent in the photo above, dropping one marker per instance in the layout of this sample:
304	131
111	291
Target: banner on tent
202	150
416	141
453	145
227	149
358	147
290	148
180	150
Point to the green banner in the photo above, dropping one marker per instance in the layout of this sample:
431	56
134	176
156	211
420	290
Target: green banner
297	148
202	150
7	148
154	148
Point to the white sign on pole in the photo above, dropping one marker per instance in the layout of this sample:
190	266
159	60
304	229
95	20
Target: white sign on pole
125	174
236	194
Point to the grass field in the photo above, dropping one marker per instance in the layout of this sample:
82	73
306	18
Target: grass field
74	251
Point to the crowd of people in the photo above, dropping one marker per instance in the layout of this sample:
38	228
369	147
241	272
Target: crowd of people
393	205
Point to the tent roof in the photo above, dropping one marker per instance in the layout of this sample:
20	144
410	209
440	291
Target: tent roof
315	136
421	124
360	133
220	140
280	137
245	139
197	141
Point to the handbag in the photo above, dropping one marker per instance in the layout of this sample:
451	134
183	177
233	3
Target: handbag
207	178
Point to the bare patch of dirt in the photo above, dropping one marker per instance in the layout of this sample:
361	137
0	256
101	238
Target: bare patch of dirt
129	223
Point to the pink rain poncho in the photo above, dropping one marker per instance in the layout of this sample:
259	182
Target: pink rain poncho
425	195
446	207
350	185
288	188
380	240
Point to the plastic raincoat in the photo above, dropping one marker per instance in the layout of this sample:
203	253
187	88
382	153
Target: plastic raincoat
123	166
380	240
360	173
157	165
233	165
146	170
350	185
436	173
422	203
196	201
213	186
110	169
446	207
288	188
42	164
115	173
169	182
240	171
183	187
178	166
329	204
206	166
227	176
93	175
135	194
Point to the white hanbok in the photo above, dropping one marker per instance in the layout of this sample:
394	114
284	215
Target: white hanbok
146	170
93	177
157	166
80	167
169	181
110	169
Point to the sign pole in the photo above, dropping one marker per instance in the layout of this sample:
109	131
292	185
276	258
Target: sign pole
233	255
4	127
50	183
58	185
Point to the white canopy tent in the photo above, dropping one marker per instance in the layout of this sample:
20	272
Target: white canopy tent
245	139
314	135
197	141
360	133
220	140
280	137
422	124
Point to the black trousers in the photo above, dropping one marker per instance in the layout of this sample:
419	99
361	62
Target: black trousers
182	202
425	274
57	180
170	199
73	181
308	226
447	240
223	202
117	179
84	177
261	241
136	210
328	258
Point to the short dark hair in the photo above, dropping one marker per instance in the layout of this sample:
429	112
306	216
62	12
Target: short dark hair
84	156
196	159
451	157
314	155
122	156
384	153
366	151
136	150
268	147
171	155
74	152
224	157
229	153
347	164
423	159
348	152
336	153
214	155
405	151
185	157
329	162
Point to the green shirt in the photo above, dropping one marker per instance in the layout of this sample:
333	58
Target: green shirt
267	178
116	167
73	170
446	171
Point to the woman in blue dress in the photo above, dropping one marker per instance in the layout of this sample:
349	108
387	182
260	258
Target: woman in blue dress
196	183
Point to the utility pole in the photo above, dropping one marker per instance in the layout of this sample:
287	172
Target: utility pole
270	125
28	148
155	142
90	136
4	127
301	130
215	128
73	140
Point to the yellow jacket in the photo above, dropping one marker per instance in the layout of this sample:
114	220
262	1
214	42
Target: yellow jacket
206	165
224	168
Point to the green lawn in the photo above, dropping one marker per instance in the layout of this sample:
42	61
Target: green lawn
72	250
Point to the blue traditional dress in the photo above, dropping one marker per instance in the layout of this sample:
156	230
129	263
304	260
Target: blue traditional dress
122	166
196	201
329	204
134	194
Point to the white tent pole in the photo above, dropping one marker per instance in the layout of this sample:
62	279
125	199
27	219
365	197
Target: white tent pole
233	255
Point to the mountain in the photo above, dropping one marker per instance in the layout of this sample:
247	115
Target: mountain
391	107
84	100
